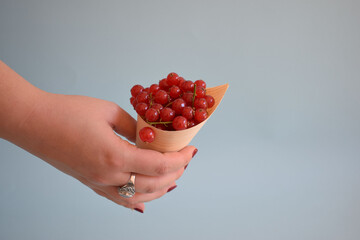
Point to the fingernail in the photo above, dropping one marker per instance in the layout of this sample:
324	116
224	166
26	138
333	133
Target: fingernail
172	188
139	210
195	151
186	166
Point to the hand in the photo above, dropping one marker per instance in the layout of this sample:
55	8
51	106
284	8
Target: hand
76	135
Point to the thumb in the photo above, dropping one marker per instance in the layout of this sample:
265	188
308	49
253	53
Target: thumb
124	124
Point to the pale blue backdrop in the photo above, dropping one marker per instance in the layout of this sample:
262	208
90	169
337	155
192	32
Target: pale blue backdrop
279	160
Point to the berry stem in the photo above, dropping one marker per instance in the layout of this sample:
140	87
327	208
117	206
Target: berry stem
193	100
151	100
154	123
170	103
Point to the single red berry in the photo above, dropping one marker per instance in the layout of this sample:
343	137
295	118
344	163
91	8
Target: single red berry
179	123
170	127
135	90
200	83
200	103
210	101
132	99
172	79
191	123
200	92
200	115
187	86
188	112
174	92
188	97
178	106
146	90
161	97
157	106
163	84
160	126
152	115
143	97
167	114
154	88
181	80
135	102
141	108
146	134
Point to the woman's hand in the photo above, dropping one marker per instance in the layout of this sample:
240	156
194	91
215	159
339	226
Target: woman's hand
76	135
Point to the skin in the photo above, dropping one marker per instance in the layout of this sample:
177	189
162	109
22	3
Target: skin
76	134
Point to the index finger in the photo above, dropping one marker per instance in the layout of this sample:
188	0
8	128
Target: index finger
153	163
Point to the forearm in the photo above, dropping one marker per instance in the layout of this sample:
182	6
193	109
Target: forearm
18	99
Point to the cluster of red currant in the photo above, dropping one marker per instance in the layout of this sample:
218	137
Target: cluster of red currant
173	104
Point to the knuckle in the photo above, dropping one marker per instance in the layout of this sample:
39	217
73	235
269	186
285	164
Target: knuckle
114	164
109	161
162	168
114	107
99	180
150	188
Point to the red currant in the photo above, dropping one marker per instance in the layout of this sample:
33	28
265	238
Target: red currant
135	90
183	103
188	97
157	106
161	97
142	97
152	115
164	85
200	83
154	88
191	123
210	101
188	112
174	92
134	103
200	92
200	103
146	134
132	99
178	106
160	126
181	80
187	86
180	123
167	114
200	115
172	79
141	108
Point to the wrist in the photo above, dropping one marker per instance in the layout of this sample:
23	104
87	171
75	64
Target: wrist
18	100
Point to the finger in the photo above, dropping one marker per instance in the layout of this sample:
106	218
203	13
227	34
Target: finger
153	163
138	198
140	207
124	124
150	184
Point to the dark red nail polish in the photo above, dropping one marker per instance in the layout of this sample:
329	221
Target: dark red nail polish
139	210
195	151
172	188
186	166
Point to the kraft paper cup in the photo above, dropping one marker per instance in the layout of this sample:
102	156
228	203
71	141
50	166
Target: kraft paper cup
171	141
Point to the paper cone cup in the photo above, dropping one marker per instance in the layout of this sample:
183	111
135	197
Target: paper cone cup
171	141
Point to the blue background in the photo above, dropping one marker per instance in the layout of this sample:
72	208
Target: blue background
280	158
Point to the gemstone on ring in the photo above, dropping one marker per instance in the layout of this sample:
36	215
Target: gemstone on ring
128	190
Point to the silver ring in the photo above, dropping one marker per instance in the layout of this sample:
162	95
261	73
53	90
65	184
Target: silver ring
128	190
